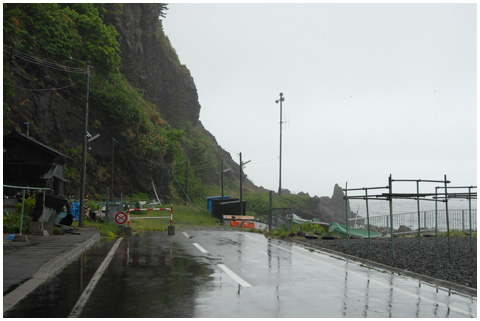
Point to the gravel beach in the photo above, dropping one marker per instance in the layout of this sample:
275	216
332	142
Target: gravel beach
432	260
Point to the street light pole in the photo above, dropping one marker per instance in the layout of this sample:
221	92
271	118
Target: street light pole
241	182
84	159
280	166
241	187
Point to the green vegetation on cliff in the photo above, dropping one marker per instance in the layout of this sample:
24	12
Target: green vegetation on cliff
48	45
58	35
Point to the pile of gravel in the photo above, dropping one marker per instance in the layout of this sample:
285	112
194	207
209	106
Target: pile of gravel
432	260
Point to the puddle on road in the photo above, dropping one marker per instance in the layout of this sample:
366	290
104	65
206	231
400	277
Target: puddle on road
56	297
147	277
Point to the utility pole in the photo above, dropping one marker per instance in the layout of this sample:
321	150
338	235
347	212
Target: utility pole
84	159
222	178
186	182
241	187
113	160
280	166
241	183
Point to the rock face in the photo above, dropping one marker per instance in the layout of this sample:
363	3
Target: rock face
333	209
56	117
328	209
148	67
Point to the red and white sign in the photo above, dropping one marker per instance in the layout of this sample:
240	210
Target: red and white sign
121	218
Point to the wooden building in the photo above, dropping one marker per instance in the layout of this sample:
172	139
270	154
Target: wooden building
27	162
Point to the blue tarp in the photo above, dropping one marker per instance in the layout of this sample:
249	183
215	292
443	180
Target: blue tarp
75	209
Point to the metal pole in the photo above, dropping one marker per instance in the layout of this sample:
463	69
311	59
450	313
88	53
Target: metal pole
113	161
368	224
43	210
270	211
346	215
436	213
418	210
84	159
186	181
107	205
280	166
470	215
21	216
222	178
391	214
241	187
448	221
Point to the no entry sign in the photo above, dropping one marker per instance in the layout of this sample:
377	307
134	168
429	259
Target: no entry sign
121	218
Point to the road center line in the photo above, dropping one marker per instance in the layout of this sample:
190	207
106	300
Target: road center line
200	248
234	276
186	235
77	309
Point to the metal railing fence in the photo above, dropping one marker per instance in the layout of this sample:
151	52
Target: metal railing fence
459	219
281	217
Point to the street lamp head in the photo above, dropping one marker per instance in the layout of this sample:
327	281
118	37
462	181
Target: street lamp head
281	95
276	101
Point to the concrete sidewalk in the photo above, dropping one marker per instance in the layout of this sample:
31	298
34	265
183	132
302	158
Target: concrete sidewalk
26	265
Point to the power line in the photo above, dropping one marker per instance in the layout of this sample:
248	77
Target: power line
14	53
46	45
50	89
24	56
265	161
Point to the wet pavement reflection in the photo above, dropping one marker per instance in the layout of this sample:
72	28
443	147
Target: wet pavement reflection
200	274
148	277
56	297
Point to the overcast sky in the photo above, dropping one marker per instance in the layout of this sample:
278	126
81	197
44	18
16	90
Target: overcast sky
370	89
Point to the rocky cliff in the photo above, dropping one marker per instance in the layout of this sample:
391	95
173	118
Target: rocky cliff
327	209
53	101
125	156
149	66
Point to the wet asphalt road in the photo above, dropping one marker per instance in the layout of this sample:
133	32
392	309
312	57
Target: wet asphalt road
233	274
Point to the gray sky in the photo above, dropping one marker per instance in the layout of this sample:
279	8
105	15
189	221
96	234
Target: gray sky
370	89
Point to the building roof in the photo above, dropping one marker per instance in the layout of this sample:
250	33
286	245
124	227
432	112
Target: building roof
30	140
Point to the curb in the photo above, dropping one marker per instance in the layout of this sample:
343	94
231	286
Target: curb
436	282
47	270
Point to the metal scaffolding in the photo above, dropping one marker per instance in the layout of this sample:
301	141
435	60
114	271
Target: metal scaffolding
390	196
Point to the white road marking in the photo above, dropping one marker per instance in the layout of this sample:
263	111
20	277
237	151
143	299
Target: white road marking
251	237
234	276
186	235
200	248
77	309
